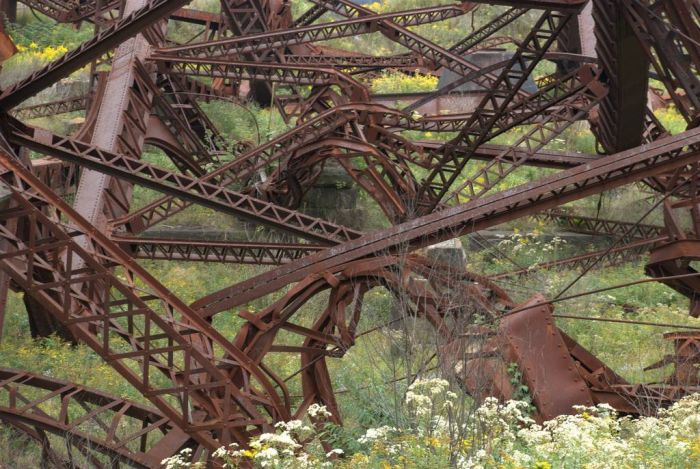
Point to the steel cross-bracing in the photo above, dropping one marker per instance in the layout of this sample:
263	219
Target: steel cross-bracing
437	164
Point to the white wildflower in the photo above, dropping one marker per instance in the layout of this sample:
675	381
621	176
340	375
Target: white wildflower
334	452
318	411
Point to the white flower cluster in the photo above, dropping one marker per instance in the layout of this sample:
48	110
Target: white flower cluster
282	449
376	434
316	411
531	244
594	438
181	461
495	435
426	397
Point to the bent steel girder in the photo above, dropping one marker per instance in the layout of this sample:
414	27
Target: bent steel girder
96	426
536	138
337	326
544	158
211	391
259	159
141	329
386	178
583	91
414	42
665	155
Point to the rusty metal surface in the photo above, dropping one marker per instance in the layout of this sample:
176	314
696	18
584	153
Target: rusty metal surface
428	190
535	344
124	431
53	108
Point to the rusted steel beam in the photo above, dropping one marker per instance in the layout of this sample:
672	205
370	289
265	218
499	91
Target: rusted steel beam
190	150
561	5
543	158
485	124
62	178
94	421
621	115
178	94
482	34
298	75
409	62
233	252
602	258
244	17
249	163
183	186
551	102
605	174
66	11
259	43
90	50
120	126
414	42
671	263
202	18
536	138
337	325
53	108
601	226
533	342
140	328
667	36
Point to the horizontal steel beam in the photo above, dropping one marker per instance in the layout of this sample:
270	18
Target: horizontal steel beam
233	252
182	186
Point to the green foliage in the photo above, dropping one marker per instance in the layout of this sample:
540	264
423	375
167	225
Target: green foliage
54	357
671	119
397	82
47	33
521	390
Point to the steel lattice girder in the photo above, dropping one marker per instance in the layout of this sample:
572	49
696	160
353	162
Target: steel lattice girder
663	156
125	431
185	187
337	120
